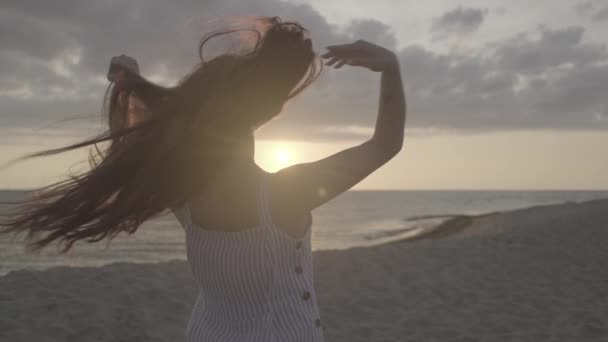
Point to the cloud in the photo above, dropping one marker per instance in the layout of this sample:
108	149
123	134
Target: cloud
552	81
501	11
60	52
542	79
584	7
589	7
601	15
458	21
552	49
372	30
53	65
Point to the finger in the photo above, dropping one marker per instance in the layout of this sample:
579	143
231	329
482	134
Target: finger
344	47
335	47
339	48
327	54
340	54
333	61
358	61
341	63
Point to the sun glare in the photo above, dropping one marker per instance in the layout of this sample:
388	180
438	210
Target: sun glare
275	155
283	157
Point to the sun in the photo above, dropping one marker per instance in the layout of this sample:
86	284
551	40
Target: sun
283	157
277	155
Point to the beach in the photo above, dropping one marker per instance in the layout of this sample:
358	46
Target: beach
536	274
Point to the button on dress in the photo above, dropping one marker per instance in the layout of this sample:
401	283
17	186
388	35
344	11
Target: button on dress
255	285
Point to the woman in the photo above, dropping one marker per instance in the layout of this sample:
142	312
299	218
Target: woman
247	230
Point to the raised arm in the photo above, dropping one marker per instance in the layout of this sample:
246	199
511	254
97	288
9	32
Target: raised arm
302	187
135	109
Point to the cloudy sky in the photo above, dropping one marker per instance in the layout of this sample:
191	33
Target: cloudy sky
502	95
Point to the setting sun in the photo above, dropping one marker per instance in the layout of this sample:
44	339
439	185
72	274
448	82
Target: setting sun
274	155
283	157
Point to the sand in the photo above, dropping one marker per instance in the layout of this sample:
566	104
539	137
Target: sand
539	274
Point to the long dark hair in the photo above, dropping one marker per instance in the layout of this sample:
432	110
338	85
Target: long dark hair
189	132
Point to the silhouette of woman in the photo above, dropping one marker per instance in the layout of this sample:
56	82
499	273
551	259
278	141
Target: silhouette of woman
189	149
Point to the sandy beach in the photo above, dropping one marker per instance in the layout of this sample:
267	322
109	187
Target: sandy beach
538	274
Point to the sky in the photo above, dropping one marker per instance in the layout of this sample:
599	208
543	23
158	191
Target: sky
501	95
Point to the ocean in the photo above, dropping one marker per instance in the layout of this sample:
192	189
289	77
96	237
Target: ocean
355	218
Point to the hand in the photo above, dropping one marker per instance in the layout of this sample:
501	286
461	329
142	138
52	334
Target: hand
119	65
360	53
117	75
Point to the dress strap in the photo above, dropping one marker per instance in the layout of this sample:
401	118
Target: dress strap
183	216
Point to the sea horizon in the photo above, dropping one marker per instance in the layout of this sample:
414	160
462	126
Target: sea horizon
356	218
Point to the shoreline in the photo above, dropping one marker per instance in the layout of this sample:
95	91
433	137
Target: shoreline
535	274
458	223
451	226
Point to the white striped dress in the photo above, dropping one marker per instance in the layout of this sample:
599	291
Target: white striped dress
255	284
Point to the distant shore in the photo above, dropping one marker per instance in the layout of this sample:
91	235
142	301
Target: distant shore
458	224
535	274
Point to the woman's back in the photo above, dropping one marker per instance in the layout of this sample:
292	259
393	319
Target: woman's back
255	284
229	202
